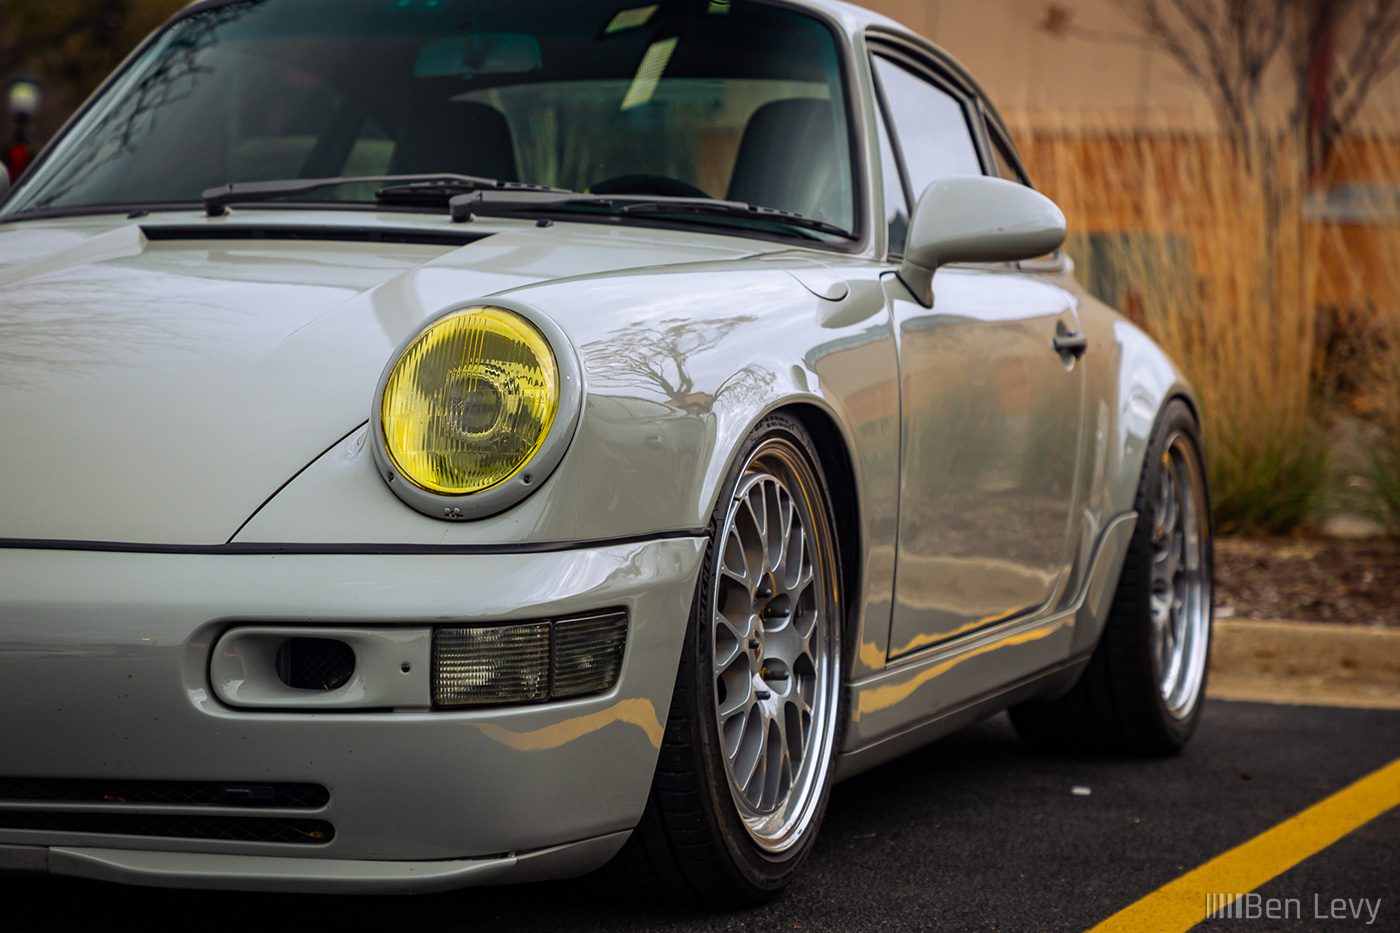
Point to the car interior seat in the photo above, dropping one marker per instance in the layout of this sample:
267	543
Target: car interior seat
788	160
458	137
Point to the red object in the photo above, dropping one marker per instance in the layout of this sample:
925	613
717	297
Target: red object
1320	84
17	159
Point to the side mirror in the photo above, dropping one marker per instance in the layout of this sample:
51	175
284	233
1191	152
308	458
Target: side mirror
4	181
974	218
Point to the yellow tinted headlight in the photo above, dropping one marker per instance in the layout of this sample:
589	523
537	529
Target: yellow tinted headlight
470	401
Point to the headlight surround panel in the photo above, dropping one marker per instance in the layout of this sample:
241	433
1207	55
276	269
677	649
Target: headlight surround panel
475	409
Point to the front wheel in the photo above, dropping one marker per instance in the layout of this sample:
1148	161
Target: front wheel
1142	691
745	766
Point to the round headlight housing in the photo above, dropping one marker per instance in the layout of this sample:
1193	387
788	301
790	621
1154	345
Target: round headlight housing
475	410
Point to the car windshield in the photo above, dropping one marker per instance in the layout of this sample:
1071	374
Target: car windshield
695	98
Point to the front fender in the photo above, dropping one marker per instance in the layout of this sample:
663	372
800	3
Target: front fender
678	367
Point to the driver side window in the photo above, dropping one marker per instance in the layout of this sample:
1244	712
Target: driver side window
929	136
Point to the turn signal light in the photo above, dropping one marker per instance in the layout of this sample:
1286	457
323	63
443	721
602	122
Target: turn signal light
490	665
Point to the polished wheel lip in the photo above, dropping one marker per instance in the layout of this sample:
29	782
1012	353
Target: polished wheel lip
1180	600
775	654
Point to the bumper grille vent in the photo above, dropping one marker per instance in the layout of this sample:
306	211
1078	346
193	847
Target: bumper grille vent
315	664
174	826
170	793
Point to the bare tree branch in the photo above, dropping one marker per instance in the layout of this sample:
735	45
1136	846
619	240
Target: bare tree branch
1337	51
1224	46
1376	55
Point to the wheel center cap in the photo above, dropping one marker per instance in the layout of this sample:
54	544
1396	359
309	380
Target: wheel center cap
756	648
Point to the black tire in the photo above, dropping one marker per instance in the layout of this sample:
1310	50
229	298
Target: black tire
1118	705
692	845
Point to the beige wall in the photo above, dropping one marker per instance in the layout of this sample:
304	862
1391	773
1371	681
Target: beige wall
1096	74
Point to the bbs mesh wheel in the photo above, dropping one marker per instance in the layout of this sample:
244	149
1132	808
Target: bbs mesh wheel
745	766
1141	693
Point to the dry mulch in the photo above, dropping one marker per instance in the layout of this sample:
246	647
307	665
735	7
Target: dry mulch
1308	580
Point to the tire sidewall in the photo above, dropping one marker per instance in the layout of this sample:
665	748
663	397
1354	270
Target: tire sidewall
1175	418
764	872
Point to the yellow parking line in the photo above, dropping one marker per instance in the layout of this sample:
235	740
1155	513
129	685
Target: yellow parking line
1181	905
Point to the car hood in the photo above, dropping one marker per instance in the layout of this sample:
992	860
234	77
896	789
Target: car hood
161	380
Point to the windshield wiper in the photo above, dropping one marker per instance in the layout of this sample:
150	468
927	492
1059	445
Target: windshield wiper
411	188
469	195
465	206
732	209
438	190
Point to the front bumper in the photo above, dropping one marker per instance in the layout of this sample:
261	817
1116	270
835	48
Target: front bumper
104	675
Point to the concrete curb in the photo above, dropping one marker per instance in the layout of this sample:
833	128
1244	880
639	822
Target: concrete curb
1305	663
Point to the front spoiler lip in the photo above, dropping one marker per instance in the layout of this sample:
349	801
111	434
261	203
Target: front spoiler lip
223	872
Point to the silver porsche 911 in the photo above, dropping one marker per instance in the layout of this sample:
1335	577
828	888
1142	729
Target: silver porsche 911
448	442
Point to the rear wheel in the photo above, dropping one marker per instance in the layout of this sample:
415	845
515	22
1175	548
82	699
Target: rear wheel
745	766
1142	690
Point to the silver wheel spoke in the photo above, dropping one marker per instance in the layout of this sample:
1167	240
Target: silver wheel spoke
779	767
796	716
731	734
789	523
756	739
739	692
729	643
734	562
797	569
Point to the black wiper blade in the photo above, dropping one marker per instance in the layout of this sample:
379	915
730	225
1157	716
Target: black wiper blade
444	189
732	209
464	207
217	200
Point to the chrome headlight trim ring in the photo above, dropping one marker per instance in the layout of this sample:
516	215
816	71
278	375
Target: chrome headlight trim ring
533	474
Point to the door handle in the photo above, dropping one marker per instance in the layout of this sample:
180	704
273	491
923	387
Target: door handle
1074	344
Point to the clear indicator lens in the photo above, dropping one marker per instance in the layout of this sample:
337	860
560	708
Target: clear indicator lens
470	402
587	654
490	665
533	663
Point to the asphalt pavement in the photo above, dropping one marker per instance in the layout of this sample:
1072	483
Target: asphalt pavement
975	833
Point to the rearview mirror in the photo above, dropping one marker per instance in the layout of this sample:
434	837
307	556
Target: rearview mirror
974	218
484	53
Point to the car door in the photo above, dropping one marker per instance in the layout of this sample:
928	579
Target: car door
991	409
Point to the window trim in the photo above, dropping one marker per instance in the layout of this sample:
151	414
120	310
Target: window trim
935	59
1001	143
926	60
885	120
969	103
